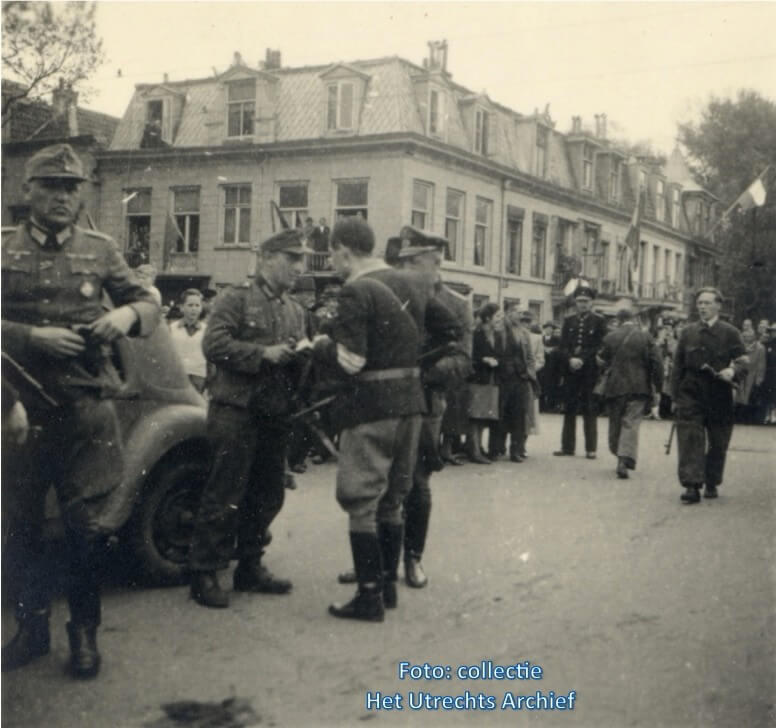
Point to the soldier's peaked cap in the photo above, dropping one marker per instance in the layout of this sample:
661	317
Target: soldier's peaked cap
57	161
584	289
286	241
414	242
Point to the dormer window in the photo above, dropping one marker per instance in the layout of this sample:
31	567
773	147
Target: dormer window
614	181
155	131
660	200
339	113
436	112
541	151
587	166
481	123
241	104
675	207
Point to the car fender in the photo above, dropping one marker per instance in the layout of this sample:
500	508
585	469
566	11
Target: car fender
147	443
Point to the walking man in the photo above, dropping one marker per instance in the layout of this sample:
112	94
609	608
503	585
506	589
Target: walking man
634	383
55	326
250	338
580	339
710	358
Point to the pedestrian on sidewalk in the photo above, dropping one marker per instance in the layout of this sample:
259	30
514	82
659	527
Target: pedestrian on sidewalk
633	384
710	358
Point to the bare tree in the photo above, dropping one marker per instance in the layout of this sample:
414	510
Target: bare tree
45	44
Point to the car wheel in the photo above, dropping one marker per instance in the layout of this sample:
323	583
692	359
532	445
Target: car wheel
161	529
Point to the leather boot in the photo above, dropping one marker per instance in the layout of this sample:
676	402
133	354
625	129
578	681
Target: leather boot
206	590
367	604
622	468
390	536
31	641
252	576
84	657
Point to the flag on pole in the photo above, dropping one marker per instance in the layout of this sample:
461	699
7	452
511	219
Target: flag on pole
633	238
752	196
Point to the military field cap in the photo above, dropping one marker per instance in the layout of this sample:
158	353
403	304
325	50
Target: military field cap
55	161
286	241
414	242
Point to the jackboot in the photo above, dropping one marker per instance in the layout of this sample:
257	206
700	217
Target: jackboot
415	531
31	641
84	657
390	536
367	604
206	590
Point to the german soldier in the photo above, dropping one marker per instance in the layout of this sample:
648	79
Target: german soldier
250	339
55	326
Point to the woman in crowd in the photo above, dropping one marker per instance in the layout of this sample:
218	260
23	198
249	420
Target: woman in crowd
484	361
749	390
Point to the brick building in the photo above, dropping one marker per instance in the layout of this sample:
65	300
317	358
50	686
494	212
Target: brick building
32	125
195	167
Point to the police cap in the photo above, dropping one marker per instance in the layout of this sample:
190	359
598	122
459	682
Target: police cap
584	289
414	242
286	241
57	161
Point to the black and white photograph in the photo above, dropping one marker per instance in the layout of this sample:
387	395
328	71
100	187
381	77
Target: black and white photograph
410	363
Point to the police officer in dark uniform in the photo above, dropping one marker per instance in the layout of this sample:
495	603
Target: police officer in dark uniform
580	339
709	359
54	325
250	339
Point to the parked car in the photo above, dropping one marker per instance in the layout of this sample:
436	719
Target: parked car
162	421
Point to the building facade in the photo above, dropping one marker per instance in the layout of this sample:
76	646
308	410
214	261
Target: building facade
196	168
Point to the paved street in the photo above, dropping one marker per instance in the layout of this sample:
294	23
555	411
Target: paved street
653	613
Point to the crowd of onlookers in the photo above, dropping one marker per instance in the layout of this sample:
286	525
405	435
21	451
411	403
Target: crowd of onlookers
502	399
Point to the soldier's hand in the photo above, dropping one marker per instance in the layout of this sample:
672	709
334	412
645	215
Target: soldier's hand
15	425
56	341
278	354
727	374
114	324
575	363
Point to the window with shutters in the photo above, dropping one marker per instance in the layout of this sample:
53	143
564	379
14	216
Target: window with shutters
454	222
241	107
422	205
236	214
292	201
340	110
186	212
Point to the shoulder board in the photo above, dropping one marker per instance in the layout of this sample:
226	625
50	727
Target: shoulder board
95	234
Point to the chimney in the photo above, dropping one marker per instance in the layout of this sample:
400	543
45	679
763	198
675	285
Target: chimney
603	126
237	59
65	103
576	124
166	78
272	60
437	56
600	126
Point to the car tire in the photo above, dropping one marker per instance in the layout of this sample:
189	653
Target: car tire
161	527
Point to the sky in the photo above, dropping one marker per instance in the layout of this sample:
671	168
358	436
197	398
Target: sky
648	66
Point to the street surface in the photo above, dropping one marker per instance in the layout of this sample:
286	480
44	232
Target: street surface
654	613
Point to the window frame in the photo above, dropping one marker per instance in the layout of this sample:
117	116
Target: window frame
132	217
614	181
436	117
301	213
542	144
481	131
241	103
338	105
239	207
514	262
350	210
676	208
486	228
539	223
187	216
454	246
428	212
587	166
660	200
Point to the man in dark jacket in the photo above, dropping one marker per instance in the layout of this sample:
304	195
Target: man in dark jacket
709	359
373	343
580	340
635	380
55	326
250	339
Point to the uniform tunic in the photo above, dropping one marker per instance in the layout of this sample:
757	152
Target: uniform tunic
248	398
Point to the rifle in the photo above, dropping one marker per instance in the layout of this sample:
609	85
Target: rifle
25	381
670	437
